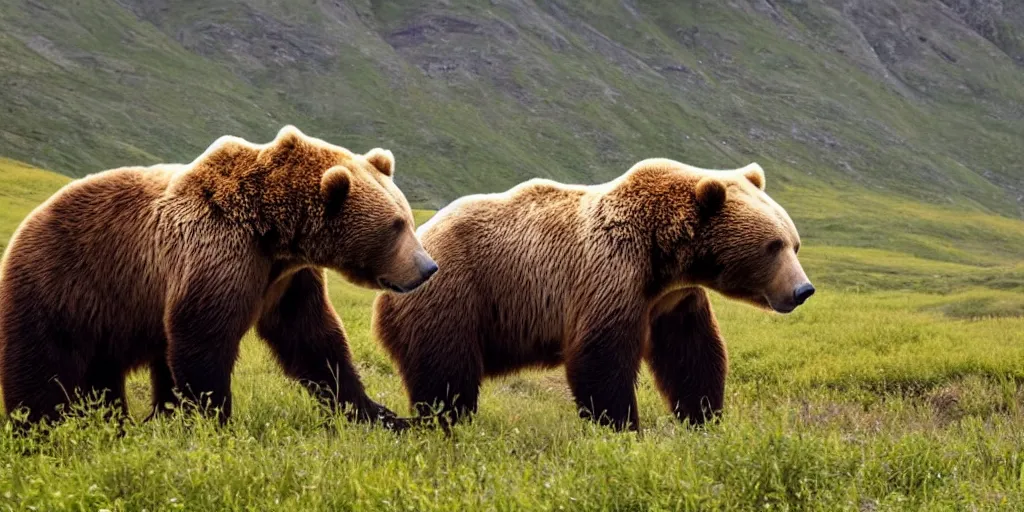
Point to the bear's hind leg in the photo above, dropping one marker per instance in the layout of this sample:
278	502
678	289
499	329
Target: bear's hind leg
687	356
44	393
36	374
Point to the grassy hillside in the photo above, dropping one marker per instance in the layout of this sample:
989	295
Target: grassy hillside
897	387
22	188
901	98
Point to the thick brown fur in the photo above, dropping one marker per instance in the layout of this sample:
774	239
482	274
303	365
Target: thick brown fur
167	267
596	279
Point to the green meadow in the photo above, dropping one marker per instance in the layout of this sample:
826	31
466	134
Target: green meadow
898	386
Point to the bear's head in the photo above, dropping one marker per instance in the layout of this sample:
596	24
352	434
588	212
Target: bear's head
746	244
316	204
717	229
368	231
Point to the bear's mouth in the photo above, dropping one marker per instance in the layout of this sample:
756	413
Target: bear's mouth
384	283
783	308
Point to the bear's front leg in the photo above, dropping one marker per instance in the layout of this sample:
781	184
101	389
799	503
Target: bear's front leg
307	337
602	367
164	399
210	308
687	355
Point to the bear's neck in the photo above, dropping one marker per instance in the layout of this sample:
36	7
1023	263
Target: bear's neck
273	200
652	217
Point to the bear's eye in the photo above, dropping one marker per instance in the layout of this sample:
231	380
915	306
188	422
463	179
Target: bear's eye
776	245
398	225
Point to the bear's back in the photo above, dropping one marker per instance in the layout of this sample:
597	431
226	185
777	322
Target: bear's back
527	217
518	250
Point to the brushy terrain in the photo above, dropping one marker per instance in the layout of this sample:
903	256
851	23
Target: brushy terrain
897	387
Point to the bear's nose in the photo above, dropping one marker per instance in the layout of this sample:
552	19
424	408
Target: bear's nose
802	293
429	270
426	264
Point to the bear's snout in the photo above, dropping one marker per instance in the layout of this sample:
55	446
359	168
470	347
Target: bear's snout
802	293
428	267
786	303
418	272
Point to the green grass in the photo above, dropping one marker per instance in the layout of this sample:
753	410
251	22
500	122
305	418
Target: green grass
899	386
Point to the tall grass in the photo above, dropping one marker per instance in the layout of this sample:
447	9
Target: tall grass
897	387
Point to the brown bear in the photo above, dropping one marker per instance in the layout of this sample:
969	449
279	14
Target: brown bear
597	279
169	266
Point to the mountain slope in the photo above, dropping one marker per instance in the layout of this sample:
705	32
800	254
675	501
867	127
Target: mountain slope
893	98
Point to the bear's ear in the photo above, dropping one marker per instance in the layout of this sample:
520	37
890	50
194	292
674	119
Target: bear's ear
334	188
710	194
754	174
382	159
